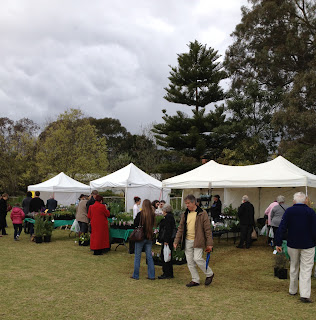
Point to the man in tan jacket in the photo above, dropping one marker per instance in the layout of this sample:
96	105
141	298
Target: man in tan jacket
194	233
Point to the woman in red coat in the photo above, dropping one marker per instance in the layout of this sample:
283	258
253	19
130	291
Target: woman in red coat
98	214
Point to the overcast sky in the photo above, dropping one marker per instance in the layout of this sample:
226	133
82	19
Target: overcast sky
108	58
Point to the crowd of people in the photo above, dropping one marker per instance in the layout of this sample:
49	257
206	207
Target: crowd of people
296	224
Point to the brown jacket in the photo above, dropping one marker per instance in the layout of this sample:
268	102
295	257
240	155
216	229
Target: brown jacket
203	232
82	214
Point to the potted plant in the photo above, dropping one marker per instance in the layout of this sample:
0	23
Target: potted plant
39	227
84	239
48	228
280	269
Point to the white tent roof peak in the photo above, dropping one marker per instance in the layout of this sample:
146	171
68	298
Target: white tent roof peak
128	176
278	172
60	183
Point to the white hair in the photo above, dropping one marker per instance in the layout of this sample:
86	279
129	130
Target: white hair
280	199
245	198
299	197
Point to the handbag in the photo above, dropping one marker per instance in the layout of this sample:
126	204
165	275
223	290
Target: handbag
254	234
138	234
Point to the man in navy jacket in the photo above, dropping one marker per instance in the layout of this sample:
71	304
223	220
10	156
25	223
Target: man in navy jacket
300	223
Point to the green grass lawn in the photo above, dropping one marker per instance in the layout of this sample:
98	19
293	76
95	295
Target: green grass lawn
61	280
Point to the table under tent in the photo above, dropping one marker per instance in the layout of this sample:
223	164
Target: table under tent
261	182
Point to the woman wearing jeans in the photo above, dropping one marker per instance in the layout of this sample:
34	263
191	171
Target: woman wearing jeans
146	218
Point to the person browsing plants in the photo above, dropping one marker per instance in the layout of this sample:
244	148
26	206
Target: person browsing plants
194	234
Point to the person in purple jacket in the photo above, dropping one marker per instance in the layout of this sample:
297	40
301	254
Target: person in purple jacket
300	223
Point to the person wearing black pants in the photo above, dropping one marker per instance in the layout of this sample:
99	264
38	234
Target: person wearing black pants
166	237
246	214
3	213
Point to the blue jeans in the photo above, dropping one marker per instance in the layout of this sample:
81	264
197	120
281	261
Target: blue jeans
138	251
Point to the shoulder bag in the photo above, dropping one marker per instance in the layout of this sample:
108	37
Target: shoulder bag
138	234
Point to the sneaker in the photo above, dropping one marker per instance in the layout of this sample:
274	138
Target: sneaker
209	280
192	284
17	237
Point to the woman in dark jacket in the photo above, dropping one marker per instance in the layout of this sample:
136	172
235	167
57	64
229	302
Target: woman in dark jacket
216	208
145	218
3	213
166	237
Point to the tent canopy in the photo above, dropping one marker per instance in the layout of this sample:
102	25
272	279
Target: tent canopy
129	176
60	183
278	172
134	182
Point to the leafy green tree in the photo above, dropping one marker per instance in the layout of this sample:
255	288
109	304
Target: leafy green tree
17	148
71	145
197	137
195	81
274	48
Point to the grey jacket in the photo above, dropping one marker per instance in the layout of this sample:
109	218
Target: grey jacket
82	214
277	214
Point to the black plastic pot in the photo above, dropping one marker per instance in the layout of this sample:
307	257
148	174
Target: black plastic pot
38	239
282	273
47	238
276	271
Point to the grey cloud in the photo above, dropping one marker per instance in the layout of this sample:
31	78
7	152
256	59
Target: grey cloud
110	58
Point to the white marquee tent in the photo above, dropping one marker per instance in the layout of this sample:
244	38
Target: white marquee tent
262	182
65	189
134	182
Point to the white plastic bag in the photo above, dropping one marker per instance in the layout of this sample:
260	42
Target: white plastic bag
264	231
271	233
166	253
75	226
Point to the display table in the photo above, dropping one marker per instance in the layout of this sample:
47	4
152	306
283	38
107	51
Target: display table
57	223
121	234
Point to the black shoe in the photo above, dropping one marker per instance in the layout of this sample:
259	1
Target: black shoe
192	284
306	300
163	276
151	278
239	247
292	294
209	280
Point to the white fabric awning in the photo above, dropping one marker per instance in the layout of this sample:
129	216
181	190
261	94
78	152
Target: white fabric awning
60	183
275	173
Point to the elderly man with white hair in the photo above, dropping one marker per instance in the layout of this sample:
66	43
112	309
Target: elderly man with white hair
300	223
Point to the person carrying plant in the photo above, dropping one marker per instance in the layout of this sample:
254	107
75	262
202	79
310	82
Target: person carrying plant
195	234
17	216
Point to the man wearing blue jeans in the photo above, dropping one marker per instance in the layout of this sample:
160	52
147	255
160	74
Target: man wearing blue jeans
194	233
300	223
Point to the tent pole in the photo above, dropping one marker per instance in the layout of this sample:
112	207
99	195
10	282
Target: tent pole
306	191
259	200
125	199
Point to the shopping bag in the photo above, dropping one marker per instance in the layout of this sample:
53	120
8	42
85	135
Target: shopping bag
264	231
75	226
254	235
166	253
271	234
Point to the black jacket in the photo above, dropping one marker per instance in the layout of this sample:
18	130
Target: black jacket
246	214
26	205
3	207
36	204
216	209
51	205
166	228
